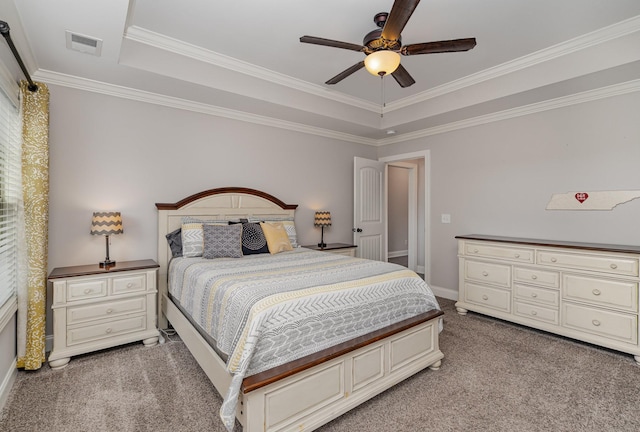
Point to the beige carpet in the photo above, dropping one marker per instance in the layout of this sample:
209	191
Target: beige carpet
495	377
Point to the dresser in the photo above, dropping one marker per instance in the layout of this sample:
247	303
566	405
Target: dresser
584	291
96	308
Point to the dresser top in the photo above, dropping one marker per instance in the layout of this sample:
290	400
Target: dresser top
553	243
95	269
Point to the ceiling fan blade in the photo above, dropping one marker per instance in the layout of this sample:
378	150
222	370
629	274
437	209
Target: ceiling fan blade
402	77
455	45
345	73
400	13
331	43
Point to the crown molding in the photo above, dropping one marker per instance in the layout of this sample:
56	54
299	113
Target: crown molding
156	40
597	37
565	101
183	104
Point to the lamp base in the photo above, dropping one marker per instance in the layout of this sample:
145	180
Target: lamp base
322	245
107	264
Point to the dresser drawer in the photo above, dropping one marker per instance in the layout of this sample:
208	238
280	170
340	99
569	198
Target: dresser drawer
493	298
95	332
499	252
92	312
598	263
549	279
537	313
536	295
133	283
619	294
495	274
600	322
86	289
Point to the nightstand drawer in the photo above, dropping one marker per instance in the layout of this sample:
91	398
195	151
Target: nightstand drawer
92	312
105	330
86	289
129	284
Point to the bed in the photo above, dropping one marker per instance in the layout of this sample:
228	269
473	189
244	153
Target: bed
296	387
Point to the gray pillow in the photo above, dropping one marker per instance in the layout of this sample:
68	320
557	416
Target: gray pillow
174	238
222	241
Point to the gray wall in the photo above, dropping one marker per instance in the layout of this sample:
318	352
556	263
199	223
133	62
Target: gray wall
116	154
497	178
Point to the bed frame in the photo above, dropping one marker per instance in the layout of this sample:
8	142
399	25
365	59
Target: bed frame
309	392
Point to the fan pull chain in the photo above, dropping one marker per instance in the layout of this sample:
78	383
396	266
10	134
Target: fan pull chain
382	103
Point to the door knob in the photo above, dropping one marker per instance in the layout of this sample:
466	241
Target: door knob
356	229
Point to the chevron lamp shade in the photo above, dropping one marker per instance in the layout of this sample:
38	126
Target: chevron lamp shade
106	223
323	218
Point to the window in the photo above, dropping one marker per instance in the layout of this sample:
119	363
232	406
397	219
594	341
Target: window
10	196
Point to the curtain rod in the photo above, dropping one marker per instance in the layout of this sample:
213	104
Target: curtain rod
4	29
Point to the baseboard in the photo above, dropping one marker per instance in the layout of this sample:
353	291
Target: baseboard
444	292
396	254
7	383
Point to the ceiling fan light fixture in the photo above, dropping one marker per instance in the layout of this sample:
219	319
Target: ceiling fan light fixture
382	62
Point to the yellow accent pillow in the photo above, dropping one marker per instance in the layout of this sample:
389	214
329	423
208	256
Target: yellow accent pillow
277	238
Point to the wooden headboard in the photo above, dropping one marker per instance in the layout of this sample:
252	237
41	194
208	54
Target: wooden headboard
227	203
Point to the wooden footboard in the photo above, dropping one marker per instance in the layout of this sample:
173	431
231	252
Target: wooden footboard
307	393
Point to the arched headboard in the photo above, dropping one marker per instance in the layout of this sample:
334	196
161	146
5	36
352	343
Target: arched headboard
228	203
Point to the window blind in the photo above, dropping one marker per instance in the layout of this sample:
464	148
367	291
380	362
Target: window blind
10	196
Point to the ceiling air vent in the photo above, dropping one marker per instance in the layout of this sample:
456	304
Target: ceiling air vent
84	44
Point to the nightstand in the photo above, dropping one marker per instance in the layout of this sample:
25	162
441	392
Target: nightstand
336	248
96	308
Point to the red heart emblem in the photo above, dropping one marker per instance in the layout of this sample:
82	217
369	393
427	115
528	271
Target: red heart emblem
582	196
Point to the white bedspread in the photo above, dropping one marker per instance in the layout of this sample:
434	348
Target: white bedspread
266	310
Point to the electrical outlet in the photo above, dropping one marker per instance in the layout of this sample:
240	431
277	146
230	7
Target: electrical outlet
446	218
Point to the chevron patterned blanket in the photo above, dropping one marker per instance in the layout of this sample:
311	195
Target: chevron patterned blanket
266	310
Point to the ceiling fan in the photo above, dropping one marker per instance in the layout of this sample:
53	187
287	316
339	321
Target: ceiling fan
383	45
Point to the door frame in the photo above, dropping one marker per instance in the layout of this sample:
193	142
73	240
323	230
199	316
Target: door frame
426	155
412	210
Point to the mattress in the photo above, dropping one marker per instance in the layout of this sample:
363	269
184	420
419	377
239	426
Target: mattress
264	310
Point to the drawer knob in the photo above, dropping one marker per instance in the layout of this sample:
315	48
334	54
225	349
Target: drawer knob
595	323
475	251
596	292
129	285
534	277
534	313
613	266
517	255
109	310
484	273
534	295
485	297
87	290
109	330
553	259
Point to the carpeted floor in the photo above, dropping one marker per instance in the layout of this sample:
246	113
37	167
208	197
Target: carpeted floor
495	377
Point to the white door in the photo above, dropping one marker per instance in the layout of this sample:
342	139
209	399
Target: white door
369	211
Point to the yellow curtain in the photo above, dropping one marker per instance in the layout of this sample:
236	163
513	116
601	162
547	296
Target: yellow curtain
35	186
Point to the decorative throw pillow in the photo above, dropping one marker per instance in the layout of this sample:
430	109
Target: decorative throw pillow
253	239
192	237
277	238
287	222
222	241
174	238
